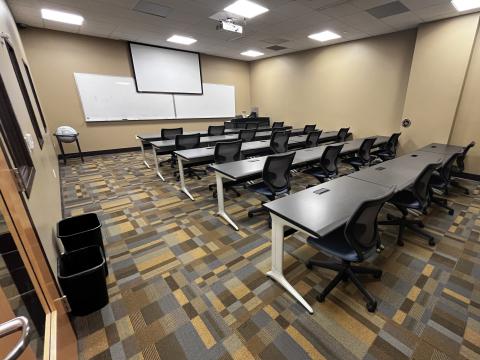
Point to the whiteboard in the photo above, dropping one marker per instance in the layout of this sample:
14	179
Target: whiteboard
110	98
217	101
164	70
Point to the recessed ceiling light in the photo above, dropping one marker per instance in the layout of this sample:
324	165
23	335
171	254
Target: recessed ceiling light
464	5
324	36
184	40
246	9
61	16
252	53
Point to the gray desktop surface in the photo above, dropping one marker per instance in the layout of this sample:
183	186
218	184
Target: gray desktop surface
319	214
442	149
400	172
249	167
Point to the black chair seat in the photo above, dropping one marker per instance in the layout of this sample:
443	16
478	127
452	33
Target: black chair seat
355	161
384	155
263	189
406	199
335	244
438	182
318	172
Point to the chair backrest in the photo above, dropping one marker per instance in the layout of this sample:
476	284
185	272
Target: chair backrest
312	138
216	130
279	141
252	125
463	155
227	151
342	134
170	134
421	188
365	147
446	170
392	143
277	124
309	128
184	142
276	172
361	230
329	158
247	135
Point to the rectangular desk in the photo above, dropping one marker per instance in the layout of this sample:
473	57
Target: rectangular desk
316	215
148	139
206	154
442	149
249	168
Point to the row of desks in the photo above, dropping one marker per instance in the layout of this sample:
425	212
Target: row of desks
319	214
249	168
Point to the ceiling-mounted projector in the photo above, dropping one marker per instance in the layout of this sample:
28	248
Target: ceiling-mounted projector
229	25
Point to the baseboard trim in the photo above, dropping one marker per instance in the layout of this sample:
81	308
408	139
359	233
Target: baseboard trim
468	176
99	152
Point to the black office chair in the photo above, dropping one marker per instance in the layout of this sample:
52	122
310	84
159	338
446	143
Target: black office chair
441	181
417	198
388	151
342	134
185	142
247	135
277	124
276	179
459	168
214	130
353	242
252	125
169	134
312	138
363	156
227	152
309	128
326	168
279	141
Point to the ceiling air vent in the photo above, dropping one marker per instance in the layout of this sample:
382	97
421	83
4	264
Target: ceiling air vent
151	8
276	48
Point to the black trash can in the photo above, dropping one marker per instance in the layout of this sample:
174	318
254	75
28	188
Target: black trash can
80	231
81	274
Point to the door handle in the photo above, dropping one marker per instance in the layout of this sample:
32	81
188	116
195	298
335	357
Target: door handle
11	326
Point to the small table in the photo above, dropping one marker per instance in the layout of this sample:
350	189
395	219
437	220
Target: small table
68	139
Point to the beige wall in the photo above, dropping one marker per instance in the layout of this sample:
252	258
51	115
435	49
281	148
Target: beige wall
55	56
440	62
360	84
44	203
467	121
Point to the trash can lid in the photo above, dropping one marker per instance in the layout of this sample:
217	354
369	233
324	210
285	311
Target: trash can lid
66	131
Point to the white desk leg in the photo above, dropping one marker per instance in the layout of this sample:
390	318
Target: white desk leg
143	154
277	262
220	199
182	178
155	159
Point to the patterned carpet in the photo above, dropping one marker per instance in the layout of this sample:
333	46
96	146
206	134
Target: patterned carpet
183	285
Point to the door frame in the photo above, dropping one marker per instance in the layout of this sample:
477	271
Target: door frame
60	340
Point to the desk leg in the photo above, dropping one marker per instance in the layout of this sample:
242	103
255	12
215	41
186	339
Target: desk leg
182	178
155	159
221	206
143	154
277	262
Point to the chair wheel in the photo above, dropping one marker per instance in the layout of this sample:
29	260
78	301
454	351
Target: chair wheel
450	212
421	225
309	265
378	275
431	242
467	192
400	242
250	215
320	298
372	306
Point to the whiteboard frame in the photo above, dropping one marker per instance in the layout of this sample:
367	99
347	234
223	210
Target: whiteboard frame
168	48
